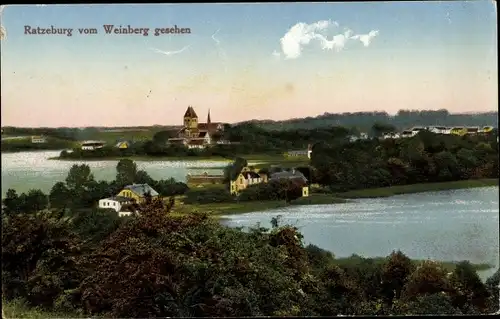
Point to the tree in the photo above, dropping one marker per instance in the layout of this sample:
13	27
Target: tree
395	273
11	202
42	266
36	201
143	177
126	172
379	129
96	225
60	196
468	289
161	138
234	169
493	285
426	305
78	177
429	278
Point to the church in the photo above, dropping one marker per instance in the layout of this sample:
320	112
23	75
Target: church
195	134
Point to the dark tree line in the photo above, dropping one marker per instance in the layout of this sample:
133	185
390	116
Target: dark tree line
424	158
404	119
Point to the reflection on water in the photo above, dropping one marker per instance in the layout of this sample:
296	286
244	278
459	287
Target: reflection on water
27	170
448	225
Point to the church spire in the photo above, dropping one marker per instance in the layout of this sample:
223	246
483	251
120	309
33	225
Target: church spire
208	117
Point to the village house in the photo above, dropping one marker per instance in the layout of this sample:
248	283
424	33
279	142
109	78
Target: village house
38	139
117	203
247	177
92	145
292	175
194	134
391	136
487	129
138	192
459	130
122	145
300	153
131	194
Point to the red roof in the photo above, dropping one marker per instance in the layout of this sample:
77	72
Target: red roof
208	126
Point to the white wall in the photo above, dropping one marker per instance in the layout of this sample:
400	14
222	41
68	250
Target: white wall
108	203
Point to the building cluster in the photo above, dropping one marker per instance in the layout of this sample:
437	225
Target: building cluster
249	176
38	139
300	153
195	134
123	203
458	130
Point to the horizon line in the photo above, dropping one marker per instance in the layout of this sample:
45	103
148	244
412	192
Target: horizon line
263	120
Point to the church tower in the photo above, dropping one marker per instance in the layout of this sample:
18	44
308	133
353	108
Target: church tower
208	117
190	118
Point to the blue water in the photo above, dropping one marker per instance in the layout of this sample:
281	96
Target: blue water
448	225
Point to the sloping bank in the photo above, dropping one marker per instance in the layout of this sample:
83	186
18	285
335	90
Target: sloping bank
418	188
218	209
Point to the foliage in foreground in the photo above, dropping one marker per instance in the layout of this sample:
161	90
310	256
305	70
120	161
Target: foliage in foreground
155	264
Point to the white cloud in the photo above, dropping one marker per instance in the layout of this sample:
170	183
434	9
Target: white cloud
220	51
213	37
366	38
170	52
302	34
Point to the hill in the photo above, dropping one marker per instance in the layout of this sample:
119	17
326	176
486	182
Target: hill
364	120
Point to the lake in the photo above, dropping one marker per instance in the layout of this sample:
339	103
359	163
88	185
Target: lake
26	170
448	225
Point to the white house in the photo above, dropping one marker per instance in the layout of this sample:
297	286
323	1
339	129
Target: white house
92	145
440	130
406	133
38	139
116	203
391	136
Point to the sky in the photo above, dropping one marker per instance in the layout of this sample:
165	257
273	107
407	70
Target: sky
244	61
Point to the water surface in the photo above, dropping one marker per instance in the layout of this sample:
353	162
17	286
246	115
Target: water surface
448	225
26	170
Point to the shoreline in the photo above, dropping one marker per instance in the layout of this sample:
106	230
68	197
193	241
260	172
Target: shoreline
145	159
383	192
219	210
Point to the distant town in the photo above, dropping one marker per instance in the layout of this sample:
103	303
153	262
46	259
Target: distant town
194	134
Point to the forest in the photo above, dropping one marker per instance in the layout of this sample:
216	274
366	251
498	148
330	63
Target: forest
156	264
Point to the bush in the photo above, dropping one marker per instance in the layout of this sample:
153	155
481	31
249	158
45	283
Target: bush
207	196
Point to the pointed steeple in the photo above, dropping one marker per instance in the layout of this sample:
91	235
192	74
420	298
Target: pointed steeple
208	117
190	112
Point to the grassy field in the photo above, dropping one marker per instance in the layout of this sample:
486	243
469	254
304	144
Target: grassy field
113	137
23	144
417	188
19	309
